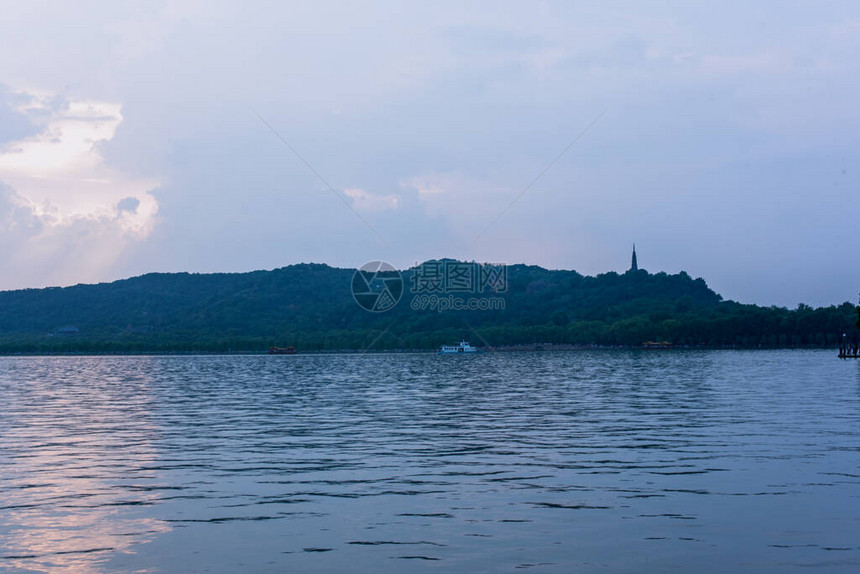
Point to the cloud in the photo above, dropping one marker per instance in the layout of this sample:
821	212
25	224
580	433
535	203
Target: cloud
66	216
41	246
435	117
365	201
63	163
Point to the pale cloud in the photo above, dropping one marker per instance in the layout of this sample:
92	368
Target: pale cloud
66	215
366	201
427	185
41	246
63	165
459	197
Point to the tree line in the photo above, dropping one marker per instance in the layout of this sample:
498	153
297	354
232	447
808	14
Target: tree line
311	307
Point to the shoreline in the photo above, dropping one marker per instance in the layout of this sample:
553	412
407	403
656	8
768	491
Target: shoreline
534	348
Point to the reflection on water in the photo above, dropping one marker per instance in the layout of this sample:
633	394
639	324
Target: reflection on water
611	461
75	438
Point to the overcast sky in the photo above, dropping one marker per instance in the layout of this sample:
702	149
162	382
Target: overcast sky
728	143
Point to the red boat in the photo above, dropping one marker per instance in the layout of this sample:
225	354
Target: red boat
282	351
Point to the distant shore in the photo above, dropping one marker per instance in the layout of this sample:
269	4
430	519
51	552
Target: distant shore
532	348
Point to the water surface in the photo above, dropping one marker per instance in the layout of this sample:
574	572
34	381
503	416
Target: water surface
610	461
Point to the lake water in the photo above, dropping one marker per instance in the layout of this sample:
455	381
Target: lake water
605	461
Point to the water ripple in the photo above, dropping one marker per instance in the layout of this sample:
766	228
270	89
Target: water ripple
699	461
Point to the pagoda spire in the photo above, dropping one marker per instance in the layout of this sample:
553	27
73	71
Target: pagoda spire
633	265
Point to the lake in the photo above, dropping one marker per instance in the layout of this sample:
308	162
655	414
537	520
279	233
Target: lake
592	461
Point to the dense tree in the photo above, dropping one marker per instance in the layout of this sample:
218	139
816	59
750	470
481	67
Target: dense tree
310	307
857	323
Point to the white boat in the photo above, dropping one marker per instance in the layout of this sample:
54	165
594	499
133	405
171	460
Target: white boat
461	347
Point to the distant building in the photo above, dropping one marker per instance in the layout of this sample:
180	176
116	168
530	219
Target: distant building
633	265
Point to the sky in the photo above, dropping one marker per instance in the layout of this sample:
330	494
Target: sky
722	138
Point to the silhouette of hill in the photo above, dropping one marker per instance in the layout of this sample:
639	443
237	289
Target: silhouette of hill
311	307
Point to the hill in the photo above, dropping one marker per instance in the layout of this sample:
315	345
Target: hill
311	307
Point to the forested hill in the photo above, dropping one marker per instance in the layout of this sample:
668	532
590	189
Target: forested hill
311	307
